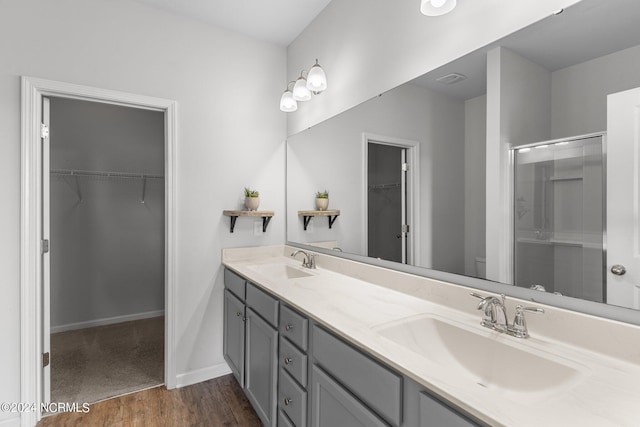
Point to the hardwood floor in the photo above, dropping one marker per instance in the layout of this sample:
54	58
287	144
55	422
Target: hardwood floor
217	402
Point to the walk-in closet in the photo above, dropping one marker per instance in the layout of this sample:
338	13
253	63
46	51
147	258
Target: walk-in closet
107	250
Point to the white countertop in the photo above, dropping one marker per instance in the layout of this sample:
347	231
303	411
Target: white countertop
606	392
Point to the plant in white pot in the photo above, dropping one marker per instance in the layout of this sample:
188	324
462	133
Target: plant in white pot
322	200
251	199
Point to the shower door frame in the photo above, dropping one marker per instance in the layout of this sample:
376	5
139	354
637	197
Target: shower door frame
511	196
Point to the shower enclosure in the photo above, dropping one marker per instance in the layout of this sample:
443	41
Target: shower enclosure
559	217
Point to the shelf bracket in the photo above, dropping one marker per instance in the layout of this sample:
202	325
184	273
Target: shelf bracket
265	223
306	220
233	222
332	219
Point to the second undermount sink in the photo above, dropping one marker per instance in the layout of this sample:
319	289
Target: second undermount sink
281	271
486	359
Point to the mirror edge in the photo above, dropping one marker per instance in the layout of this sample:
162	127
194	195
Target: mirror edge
616	313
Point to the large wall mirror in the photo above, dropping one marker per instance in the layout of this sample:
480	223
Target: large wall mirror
515	164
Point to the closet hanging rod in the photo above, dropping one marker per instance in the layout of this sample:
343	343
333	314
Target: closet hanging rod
121	175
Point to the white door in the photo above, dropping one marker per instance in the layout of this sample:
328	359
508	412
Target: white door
46	264
623	194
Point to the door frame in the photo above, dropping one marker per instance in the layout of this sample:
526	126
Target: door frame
413	190
31	297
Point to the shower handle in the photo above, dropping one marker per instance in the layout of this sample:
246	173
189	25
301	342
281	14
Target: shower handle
618	270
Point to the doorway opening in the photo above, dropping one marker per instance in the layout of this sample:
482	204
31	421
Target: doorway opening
105	213
390	198
79	185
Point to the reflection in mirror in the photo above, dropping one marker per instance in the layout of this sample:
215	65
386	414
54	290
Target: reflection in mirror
459	127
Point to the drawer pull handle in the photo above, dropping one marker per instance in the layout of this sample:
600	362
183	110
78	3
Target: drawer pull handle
288	327
287	401
288	361
239	314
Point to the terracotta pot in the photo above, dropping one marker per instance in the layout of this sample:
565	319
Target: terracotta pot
252	203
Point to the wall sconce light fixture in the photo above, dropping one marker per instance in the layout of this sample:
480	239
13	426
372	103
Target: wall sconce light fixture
437	7
303	88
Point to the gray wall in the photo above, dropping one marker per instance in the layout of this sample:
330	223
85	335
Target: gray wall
107	253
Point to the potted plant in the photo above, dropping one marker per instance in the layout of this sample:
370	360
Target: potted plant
251	199
322	200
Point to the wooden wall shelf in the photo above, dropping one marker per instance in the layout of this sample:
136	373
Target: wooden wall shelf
265	215
332	214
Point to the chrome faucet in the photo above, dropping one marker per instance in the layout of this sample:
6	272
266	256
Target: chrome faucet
494	313
309	260
519	327
494	316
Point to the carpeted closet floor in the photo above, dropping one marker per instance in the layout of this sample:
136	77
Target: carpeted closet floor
89	365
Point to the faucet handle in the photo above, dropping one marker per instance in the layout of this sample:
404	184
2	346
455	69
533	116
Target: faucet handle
519	327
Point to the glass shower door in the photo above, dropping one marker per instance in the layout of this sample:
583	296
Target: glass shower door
559	222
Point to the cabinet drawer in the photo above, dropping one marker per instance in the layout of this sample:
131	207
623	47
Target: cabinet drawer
434	413
376	385
283	420
294	326
235	283
293	361
292	399
332	405
263	304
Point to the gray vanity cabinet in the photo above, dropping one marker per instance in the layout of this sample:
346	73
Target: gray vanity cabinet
250	343
293	376
261	353
297	374
233	337
261	367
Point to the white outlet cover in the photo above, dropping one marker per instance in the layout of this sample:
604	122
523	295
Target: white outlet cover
257	228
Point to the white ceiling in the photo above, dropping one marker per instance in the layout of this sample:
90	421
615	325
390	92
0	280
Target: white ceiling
275	21
586	30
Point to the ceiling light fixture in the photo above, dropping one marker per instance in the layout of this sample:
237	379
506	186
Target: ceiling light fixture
437	7
315	83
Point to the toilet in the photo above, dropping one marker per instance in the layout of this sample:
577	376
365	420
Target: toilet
481	267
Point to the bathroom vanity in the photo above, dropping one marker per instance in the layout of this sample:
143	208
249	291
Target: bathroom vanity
354	344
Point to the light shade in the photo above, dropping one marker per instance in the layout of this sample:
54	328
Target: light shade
287	103
316	79
300	91
437	7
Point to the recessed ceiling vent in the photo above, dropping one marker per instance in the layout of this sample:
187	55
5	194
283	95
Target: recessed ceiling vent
451	78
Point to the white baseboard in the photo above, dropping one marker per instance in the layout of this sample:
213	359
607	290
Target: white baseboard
106	321
200	375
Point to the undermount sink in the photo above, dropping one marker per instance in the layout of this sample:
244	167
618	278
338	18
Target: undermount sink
487	359
280	271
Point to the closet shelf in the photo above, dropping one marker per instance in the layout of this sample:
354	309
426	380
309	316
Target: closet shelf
332	214
108	175
234	214
120	175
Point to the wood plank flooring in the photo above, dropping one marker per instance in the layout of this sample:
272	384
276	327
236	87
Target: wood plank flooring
213	403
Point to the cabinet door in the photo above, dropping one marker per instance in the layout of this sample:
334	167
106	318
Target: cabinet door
261	367
233	339
333	406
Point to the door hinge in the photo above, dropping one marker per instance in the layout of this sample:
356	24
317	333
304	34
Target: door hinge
45	246
44	131
45	359
405	228
405	167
